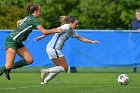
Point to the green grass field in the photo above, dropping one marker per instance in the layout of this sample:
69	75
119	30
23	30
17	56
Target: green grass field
69	83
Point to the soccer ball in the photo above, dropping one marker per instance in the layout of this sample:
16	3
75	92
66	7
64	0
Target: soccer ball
123	79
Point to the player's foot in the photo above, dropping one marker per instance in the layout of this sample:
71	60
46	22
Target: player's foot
7	73
43	74
42	83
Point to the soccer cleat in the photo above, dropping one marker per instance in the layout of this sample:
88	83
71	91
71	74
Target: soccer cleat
43	74
42	83
7	73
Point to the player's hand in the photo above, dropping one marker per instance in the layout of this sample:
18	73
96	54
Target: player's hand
37	39
40	37
95	42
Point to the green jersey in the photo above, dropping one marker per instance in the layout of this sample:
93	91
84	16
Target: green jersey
24	29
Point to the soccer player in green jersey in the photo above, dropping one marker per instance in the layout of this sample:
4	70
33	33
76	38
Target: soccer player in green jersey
14	43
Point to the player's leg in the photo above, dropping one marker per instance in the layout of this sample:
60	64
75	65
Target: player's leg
60	63
58	59
61	66
49	77
11	47
24	53
10	55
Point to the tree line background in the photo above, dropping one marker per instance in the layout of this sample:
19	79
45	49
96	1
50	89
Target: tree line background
93	14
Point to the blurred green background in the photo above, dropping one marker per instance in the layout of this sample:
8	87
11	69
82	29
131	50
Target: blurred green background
93	14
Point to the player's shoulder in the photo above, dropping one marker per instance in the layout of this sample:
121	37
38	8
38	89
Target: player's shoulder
65	26
32	19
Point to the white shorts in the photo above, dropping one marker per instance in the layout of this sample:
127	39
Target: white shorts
54	53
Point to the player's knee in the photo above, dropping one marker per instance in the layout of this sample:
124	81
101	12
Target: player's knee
29	61
8	66
66	68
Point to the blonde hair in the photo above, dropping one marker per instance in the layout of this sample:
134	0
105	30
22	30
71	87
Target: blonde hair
67	19
63	19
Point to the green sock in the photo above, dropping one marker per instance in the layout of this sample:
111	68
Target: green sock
2	70
19	64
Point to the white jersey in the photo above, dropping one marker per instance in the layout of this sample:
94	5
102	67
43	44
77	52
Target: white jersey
59	39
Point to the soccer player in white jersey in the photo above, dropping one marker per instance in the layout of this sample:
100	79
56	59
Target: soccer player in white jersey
54	47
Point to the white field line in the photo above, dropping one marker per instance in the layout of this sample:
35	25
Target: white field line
24	87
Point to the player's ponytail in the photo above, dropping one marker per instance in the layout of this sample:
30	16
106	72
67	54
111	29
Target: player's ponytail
67	19
63	19
31	8
28	7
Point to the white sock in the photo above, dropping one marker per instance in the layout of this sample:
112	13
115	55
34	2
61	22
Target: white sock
55	69
50	76
53	72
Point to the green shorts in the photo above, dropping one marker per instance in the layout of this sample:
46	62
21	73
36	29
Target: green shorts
10	43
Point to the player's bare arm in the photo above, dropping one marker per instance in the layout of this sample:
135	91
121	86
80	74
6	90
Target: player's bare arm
49	31
83	39
19	22
40	37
